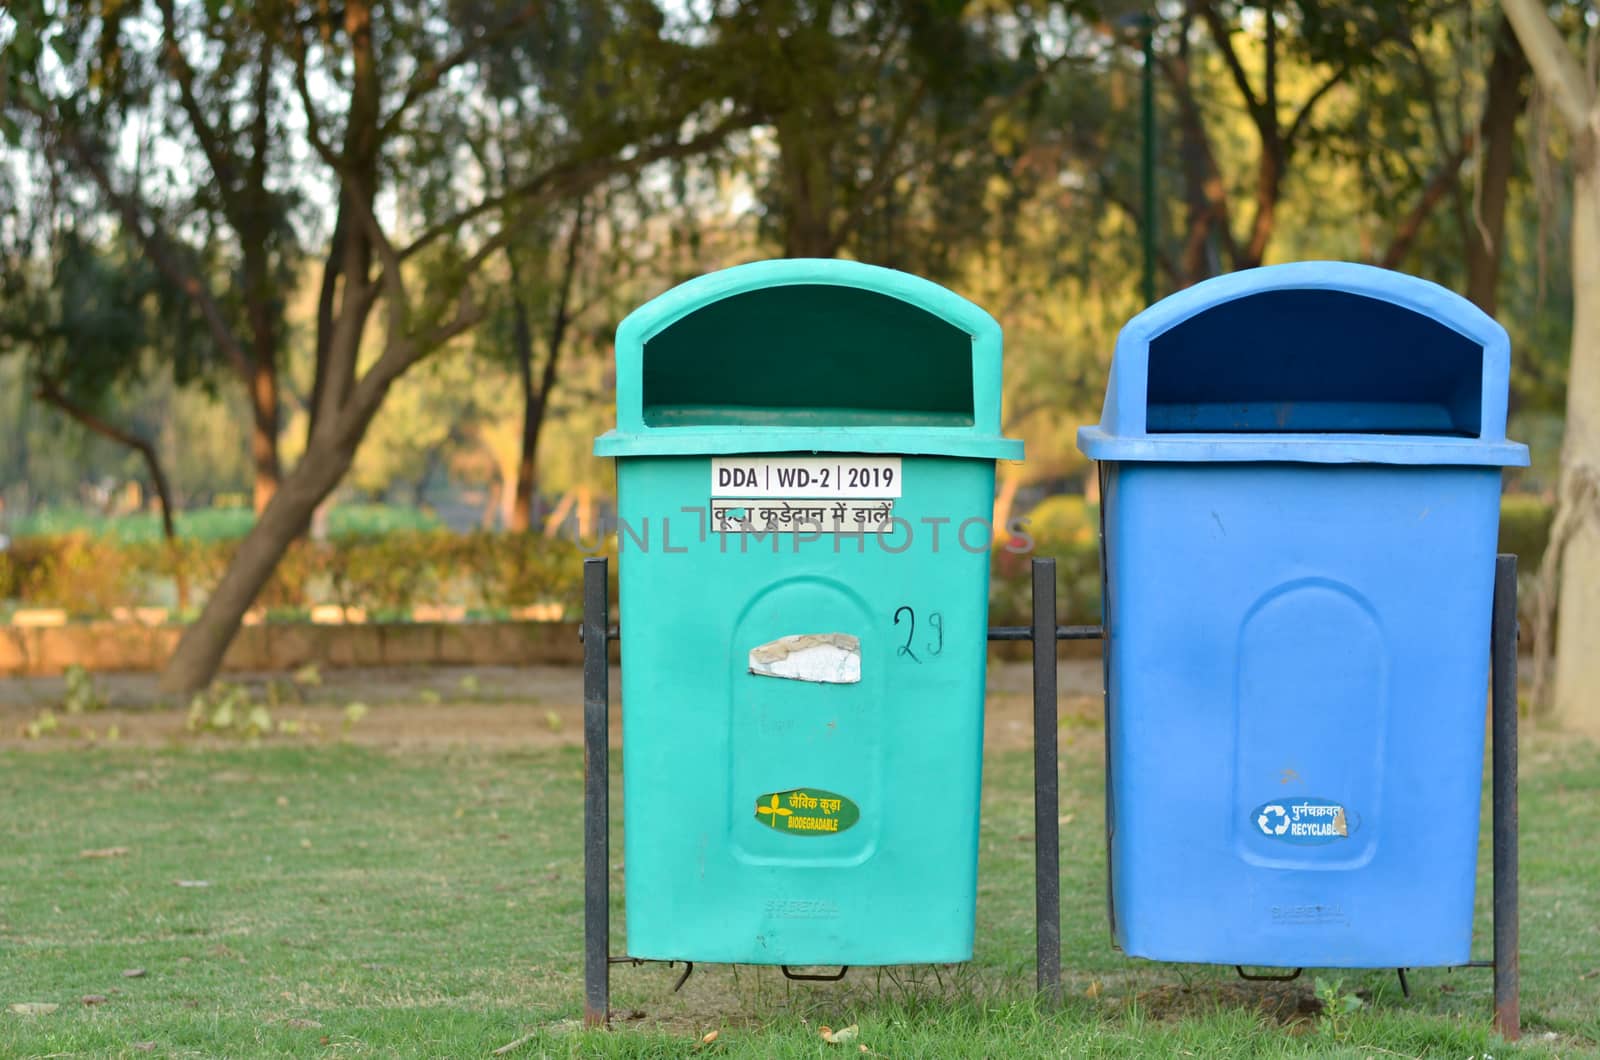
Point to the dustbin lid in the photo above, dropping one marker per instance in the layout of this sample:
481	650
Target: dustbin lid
808	355
1318	362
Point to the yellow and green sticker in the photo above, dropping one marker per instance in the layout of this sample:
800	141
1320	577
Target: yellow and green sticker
806	811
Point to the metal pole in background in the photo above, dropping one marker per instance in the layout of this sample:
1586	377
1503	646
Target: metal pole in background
1147	25
1046	793
1503	640
596	797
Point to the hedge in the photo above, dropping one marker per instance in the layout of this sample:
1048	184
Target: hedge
385	575
491	574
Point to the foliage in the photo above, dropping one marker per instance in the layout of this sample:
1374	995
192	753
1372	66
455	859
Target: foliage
230	710
1337	1006
83	575
384	575
80	695
1525	528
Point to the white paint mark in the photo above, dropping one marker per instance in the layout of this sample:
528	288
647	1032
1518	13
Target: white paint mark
826	658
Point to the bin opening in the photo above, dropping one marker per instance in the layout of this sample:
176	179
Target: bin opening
809	355
1313	361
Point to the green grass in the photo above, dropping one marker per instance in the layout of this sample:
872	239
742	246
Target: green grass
363	904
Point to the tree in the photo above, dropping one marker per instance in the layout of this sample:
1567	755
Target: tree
378	90
88	324
886	119
1569	590
210	88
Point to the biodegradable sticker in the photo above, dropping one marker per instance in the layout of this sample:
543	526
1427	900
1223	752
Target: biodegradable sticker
806	811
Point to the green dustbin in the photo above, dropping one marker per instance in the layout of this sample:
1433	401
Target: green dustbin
805	462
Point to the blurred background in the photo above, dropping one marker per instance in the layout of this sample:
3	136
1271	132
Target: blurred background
307	307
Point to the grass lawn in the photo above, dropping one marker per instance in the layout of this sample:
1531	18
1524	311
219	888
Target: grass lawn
357	903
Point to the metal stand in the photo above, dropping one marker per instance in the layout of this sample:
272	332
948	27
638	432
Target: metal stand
595	632
1043	632
1503	770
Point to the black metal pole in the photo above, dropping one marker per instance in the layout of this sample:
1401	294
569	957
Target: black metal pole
1507	961
1046	795
596	797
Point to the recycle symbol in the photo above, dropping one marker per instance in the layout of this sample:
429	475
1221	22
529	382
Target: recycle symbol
1272	813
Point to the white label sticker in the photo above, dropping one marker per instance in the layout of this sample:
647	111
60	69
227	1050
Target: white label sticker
876	477
735	515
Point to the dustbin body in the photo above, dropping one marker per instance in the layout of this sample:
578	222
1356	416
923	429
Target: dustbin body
1300	469
805	469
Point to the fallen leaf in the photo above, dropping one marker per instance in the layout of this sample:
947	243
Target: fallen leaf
34	1008
133	973
1093	989
710	1037
104	852
842	1036
93	999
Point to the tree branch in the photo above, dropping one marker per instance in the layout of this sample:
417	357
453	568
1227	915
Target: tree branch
429	77
155	242
575	175
1560	74
51	394
217	154
1221	33
1446	177
1303	115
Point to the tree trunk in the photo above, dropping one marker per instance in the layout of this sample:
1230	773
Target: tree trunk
535	402
521	511
804	153
1576	703
1503	103
264	429
286	516
1572	560
1005	498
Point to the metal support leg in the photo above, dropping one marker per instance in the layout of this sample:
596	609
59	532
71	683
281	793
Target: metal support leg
1046	796
1507	996
596	798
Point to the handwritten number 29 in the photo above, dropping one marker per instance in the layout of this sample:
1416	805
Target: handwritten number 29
911	631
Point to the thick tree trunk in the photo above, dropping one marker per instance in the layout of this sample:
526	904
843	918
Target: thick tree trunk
1503	103
1572	560
199	654
1576	703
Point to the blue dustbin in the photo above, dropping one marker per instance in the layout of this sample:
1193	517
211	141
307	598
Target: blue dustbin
1300	473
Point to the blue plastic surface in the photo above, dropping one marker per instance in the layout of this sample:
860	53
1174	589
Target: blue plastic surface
1298	591
1317	362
